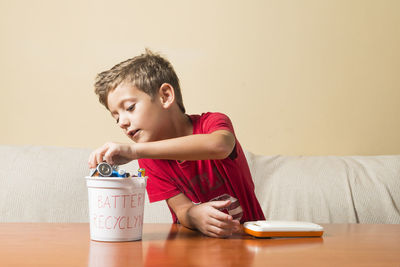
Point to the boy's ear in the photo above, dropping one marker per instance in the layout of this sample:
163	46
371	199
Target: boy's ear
167	95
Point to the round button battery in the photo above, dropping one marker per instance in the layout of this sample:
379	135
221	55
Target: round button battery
104	169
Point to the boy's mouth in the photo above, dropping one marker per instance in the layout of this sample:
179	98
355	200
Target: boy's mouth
132	133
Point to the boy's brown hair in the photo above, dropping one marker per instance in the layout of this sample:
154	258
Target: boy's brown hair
147	72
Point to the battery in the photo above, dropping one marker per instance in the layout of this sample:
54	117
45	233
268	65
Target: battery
104	169
141	172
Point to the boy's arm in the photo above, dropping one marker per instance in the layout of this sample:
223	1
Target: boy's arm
216	145
204	217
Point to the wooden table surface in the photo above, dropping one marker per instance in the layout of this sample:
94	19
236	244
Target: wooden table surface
57	244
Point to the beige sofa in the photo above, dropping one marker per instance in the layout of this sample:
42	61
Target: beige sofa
46	184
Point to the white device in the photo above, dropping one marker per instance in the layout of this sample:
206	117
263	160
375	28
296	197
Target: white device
282	229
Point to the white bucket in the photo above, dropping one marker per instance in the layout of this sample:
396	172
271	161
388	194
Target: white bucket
116	207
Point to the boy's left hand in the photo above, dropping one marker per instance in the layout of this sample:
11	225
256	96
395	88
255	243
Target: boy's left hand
209	220
205	217
113	153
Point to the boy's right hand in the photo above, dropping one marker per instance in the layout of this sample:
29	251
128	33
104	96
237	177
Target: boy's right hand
209	220
113	153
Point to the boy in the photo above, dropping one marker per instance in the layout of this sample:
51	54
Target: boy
194	162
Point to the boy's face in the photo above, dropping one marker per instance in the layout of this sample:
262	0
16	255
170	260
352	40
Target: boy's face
142	118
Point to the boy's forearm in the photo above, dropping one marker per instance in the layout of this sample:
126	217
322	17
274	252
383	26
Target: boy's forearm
217	145
185	219
182	205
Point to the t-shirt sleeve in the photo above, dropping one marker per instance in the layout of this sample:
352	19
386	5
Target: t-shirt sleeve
216	121
212	122
159	186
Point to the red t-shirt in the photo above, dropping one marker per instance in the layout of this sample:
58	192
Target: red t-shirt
206	180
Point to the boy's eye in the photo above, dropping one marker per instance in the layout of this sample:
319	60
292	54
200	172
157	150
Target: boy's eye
117	120
131	107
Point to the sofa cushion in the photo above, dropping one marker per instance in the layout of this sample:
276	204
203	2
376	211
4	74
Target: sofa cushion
328	189
46	184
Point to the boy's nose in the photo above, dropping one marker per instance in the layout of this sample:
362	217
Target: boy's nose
123	122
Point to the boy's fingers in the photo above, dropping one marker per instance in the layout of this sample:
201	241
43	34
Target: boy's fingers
238	228
99	158
219	232
220	224
211	234
219	204
106	152
221	216
100	153
217	214
221	229
108	156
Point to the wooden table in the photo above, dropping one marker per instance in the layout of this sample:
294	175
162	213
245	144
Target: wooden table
54	244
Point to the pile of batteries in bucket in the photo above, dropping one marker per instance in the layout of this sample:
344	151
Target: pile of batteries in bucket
106	170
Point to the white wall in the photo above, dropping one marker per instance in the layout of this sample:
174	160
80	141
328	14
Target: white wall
296	77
